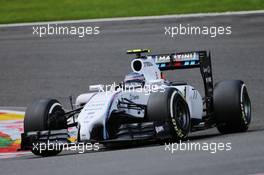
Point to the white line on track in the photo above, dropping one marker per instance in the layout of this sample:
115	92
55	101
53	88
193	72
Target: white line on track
12	112
14	154
136	18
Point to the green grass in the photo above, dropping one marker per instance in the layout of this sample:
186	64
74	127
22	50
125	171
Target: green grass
12	11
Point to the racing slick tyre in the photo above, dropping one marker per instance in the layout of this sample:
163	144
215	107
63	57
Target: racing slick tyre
232	107
169	106
44	114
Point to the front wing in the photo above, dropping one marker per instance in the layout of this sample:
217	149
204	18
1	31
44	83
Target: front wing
131	133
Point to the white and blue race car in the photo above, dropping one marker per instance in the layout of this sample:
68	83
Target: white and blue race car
144	107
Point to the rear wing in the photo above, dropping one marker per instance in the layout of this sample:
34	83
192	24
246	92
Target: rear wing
184	60
188	60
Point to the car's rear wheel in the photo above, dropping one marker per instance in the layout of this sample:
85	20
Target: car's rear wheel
44	114
170	107
232	107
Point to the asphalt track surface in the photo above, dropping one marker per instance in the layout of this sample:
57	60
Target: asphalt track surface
59	66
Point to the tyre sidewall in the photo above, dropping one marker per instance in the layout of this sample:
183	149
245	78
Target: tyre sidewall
228	106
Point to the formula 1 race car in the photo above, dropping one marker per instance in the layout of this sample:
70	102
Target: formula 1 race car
144	107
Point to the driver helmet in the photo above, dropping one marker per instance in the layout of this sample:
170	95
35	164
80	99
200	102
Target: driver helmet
134	79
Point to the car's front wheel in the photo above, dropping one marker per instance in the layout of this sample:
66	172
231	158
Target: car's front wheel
169	106
44	114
